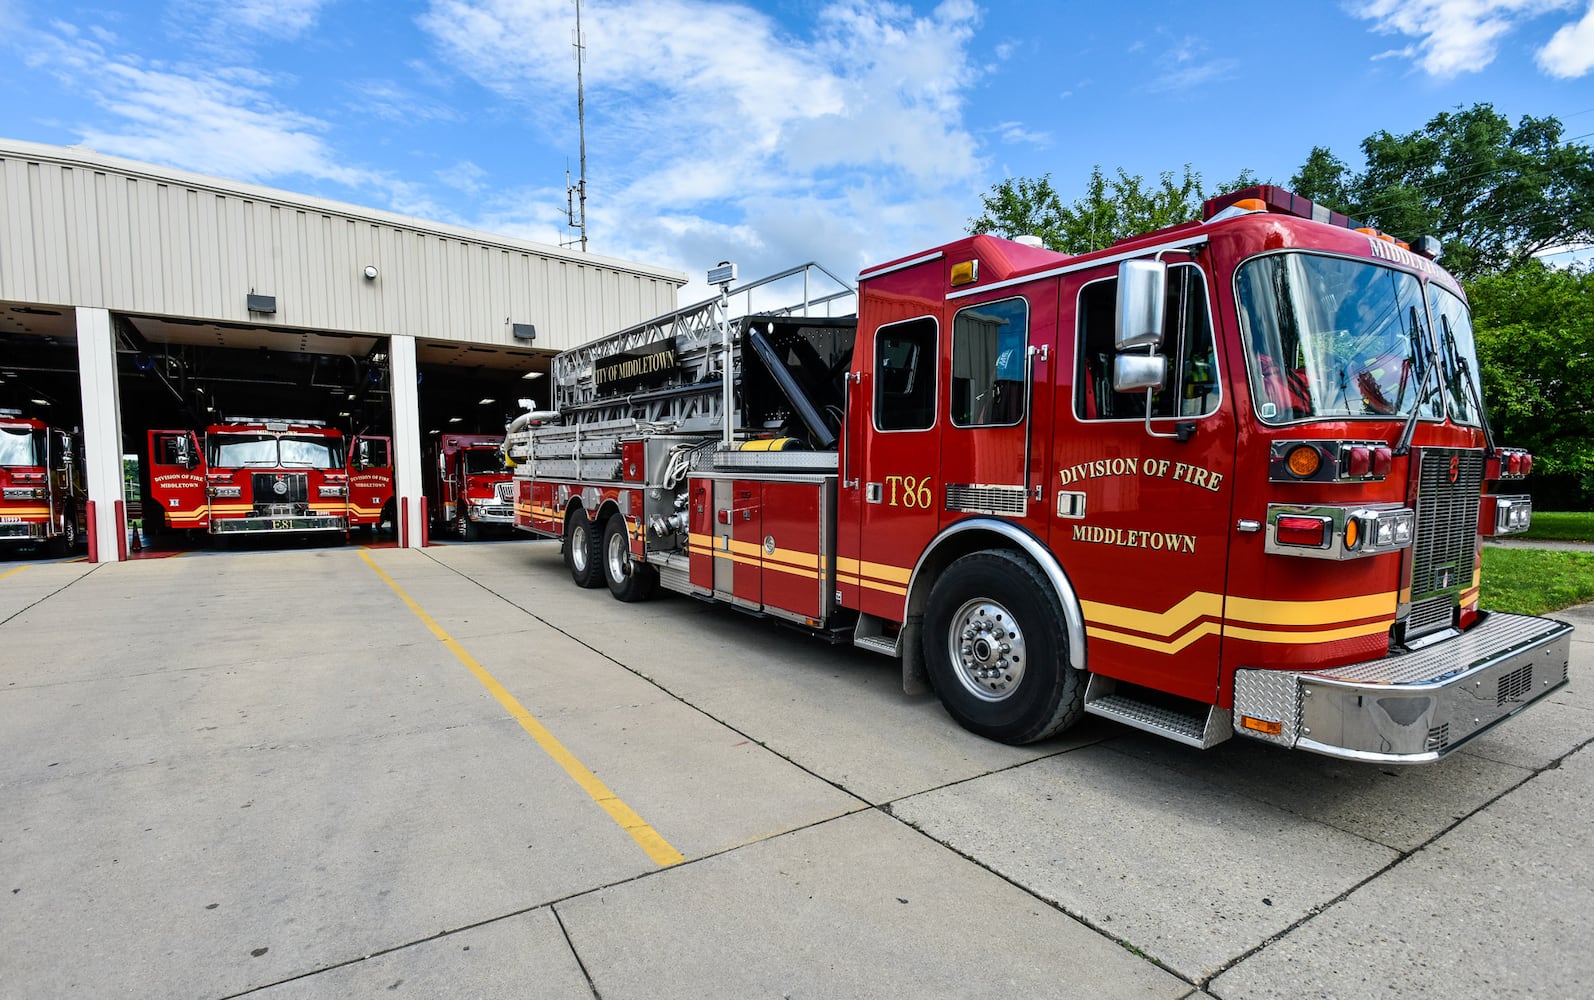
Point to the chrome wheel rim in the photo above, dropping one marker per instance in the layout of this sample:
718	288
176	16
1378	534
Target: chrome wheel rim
580	546
987	649
619	553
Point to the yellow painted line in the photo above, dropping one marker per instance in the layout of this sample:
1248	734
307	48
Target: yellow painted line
646	837
1254	611
15	571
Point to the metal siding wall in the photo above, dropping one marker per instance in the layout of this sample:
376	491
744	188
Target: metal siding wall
83	234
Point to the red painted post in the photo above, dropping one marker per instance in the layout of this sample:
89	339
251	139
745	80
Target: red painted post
426	525
94	536
404	523
121	532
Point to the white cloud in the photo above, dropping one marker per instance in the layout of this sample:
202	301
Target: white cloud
283	19
1453	36
706	120
464	176
1570	51
222	122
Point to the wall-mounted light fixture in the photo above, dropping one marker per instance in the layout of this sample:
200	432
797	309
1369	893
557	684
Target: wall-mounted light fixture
261	303
531	375
370	272
523	331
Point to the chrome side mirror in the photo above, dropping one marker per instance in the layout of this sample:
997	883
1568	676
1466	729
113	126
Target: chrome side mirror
1142	297
1135	372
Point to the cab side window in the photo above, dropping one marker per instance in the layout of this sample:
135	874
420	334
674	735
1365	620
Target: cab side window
1192	386
989	342
904	375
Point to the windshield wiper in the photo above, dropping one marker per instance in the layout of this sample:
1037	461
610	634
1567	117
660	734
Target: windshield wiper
1465	371
1403	443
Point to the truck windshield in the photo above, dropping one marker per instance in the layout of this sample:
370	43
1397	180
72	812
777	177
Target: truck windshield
232	451
1458	354
312	452
1331	338
483	461
17	448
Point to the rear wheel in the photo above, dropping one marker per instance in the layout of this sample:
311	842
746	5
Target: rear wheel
582	550
997	651
628	579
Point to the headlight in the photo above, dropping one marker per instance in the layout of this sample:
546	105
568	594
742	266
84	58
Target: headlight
334	491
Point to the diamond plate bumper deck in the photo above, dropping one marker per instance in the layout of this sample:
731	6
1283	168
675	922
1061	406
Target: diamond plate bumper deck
1416	706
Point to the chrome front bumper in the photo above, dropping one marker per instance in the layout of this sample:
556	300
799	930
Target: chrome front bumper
263	525
1414	707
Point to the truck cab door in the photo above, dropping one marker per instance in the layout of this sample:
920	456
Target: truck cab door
1141	514
994	450
370	478
891	462
177	479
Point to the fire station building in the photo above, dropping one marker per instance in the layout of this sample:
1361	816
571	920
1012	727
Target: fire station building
135	297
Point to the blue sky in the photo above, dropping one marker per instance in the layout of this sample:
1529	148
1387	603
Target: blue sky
846	132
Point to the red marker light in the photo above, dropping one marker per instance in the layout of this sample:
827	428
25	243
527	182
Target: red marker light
1358	462
1383	460
1514	464
1527	463
1307	531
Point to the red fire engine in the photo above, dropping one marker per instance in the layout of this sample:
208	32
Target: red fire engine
1228	477
255	475
469	484
42	494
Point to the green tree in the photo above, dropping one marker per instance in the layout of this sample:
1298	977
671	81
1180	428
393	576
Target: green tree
1324	178
1494	194
1535	332
1111	208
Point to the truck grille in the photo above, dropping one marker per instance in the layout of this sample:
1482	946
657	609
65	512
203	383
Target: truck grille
295	488
1447	536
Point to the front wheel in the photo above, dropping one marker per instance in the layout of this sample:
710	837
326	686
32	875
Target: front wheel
65	543
997	651
628	579
467	527
582	550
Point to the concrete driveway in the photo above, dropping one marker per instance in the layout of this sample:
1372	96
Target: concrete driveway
347	772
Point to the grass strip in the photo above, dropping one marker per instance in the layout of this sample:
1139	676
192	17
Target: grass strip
1570	526
1535	581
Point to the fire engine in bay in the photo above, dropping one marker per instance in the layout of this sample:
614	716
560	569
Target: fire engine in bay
1227	477
42	494
469	486
257	476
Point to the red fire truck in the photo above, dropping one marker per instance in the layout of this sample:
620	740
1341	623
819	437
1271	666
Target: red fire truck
1228	477
42	493
469	484
255	475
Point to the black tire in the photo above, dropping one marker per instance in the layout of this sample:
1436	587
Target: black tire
996	649
466	527
66	542
628	579
583	550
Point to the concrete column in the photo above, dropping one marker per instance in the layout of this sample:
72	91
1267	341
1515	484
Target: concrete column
102	429
406	437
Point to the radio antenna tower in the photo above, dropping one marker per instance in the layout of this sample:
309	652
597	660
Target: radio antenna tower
576	194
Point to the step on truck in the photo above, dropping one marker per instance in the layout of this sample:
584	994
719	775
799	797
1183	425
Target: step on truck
43	497
1231	477
263	476
469	485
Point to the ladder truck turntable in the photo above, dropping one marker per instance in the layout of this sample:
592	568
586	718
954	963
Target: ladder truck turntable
1230	477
